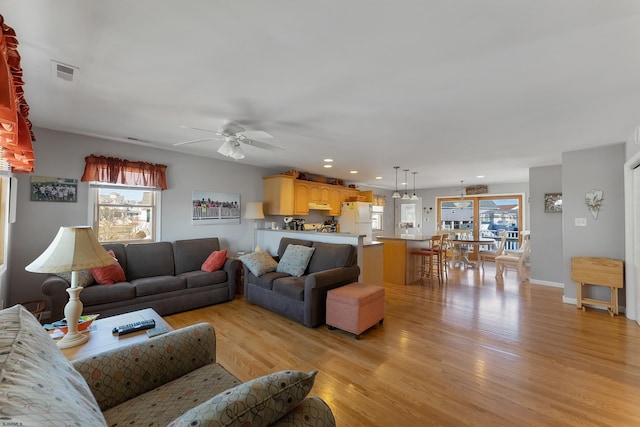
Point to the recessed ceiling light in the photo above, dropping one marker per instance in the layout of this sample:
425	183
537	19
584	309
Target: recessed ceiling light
378	177
353	171
328	160
328	166
480	176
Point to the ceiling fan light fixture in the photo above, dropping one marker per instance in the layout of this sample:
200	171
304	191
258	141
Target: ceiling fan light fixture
227	147
237	153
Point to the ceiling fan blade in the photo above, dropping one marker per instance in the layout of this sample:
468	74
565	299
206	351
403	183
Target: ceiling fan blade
257	134
259	144
192	142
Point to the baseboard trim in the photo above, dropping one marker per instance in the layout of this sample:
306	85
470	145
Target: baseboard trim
546	283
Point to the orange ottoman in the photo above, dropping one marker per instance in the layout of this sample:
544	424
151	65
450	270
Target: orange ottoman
355	307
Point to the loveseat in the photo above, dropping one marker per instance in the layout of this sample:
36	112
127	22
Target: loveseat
303	298
172	379
164	276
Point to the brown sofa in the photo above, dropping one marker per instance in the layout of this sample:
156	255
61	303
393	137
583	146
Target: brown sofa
164	276
303	299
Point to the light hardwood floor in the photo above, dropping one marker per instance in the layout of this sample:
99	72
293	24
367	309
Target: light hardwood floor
475	352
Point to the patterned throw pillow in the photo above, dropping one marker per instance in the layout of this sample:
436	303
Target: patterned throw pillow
215	261
110	274
295	259
259	262
259	402
84	277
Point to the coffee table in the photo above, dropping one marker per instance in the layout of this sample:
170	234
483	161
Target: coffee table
101	338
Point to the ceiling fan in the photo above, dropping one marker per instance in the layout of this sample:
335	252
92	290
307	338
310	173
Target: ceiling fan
233	134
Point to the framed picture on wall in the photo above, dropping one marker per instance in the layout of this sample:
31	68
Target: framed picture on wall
208	207
553	202
46	189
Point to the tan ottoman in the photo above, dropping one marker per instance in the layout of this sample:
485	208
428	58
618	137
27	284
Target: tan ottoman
355	308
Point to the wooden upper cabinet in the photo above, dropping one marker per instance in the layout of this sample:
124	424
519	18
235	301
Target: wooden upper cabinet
285	195
301	198
278	195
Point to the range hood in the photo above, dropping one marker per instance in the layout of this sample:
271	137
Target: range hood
320	206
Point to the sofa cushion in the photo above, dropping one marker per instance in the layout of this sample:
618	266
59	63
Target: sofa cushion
110	274
191	253
175	398
259	262
150	259
286	241
295	259
158	285
291	287
259	402
215	261
94	295
38	385
266	280
331	255
199	278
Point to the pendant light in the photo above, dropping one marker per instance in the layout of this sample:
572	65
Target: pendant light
396	195
462	203
414	196
405	196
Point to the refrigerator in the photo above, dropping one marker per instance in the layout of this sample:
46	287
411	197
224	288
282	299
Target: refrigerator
355	218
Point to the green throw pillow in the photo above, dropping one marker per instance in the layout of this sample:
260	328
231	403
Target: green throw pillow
295	259
259	402
259	262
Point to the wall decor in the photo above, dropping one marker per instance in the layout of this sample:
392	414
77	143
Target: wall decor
209	208
47	189
476	189
553	202
593	199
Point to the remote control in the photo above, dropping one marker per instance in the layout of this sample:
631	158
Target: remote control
134	327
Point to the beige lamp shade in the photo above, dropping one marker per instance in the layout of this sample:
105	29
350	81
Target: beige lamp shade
73	249
254	211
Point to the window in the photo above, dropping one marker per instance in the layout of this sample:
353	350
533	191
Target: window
125	214
376	218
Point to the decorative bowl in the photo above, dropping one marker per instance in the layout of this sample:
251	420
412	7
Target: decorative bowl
83	324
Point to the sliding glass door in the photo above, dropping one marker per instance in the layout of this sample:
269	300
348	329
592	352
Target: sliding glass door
484	216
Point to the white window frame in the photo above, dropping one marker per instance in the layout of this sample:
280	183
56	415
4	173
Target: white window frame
378	212
94	191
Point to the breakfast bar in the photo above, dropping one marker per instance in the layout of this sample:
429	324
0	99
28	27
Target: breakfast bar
398	265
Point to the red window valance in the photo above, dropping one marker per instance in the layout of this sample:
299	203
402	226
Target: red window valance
15	128
119	171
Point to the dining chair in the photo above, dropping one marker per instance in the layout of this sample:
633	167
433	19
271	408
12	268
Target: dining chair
488	254
458	251
517	260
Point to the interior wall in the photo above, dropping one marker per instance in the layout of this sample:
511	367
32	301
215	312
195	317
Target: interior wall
584	170
546	239
60	154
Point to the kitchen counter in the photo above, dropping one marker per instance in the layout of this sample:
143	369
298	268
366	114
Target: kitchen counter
416	237
399	265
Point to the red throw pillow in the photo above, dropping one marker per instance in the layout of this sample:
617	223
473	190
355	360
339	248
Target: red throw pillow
110	274
215	261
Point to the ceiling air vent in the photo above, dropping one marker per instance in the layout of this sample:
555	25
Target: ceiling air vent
63	71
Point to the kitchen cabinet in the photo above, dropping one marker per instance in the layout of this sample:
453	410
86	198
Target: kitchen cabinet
301	198
278	195
285	195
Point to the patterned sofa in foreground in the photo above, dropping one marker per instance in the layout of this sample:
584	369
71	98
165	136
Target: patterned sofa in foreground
171	380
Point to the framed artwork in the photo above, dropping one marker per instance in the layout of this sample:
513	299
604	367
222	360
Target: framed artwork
46	189
208	207
553	202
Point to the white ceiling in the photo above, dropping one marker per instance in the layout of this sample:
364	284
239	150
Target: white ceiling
450	89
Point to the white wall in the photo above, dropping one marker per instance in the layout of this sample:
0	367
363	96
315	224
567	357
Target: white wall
546	237
598	168
62	155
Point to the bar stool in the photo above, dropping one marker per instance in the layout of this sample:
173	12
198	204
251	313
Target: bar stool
431	260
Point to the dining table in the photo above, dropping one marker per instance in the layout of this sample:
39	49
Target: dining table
461	253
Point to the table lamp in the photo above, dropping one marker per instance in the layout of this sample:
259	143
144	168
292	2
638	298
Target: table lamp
73	249
254	211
